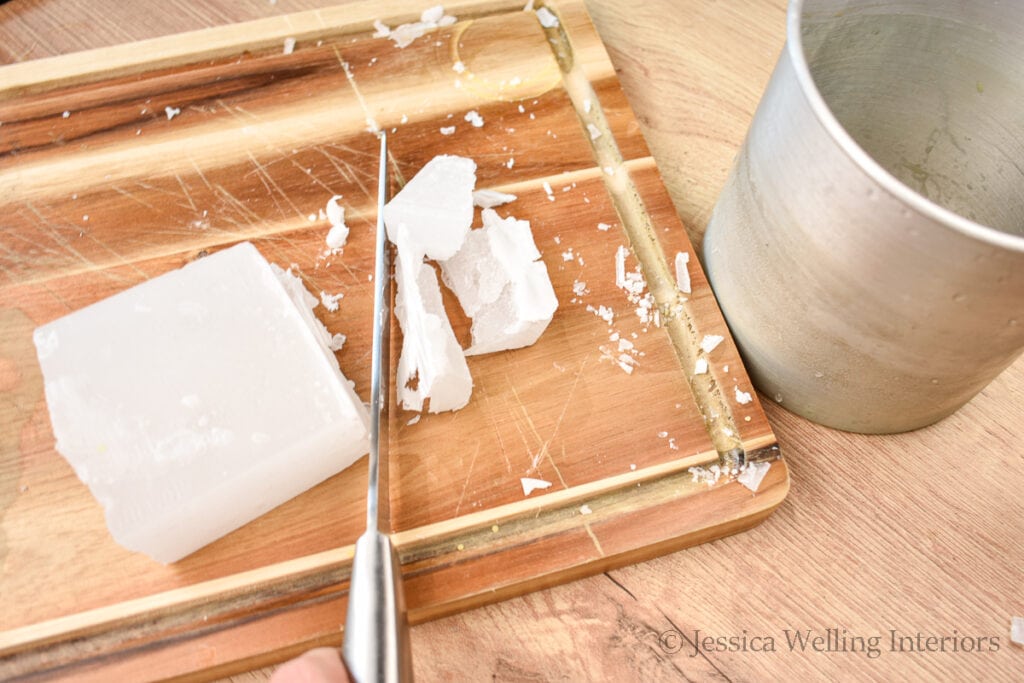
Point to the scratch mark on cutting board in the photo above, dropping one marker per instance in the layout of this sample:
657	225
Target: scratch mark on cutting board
371	124
126	193
561	416
593	537
465	484
185	191
494	427
309	174
266	179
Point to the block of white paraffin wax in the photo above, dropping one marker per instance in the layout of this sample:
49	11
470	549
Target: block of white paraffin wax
199	400
501	284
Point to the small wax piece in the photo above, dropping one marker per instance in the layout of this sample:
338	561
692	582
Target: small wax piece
753	474
432	364
530	484
198	400
683	272
502	285
488	199
432	214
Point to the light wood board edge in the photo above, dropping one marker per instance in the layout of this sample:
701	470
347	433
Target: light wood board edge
42	75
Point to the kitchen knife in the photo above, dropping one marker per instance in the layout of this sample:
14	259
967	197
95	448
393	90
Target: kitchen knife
376	647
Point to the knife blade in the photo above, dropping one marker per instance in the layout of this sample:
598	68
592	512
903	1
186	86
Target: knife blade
376	648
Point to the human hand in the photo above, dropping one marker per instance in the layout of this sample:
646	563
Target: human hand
320	665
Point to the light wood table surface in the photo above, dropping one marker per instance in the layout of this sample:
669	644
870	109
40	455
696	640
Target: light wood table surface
920	533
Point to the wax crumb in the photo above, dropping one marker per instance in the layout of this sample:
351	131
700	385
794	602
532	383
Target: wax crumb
330	301
585	509
289	45
594	131
683	272
632	466
1017	630
171	112
458	67
548	191
66	114
337	342
473	116
700	367
546	18
603	227
530	485
710	342
413	420
752	474
742	397
587	105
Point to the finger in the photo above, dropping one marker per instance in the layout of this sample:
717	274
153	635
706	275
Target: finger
320	665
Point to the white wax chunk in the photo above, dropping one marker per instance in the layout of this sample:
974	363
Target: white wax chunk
502	285
432	364
199	400
432	213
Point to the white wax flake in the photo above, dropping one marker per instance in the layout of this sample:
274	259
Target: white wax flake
705	475
579	288
289	46
447	130
672	444
683	272
330	301
603	227
620	266
1017	630
488	199
568	255
710	342
608	170
337	342
335	212
725	368
626	362
752	474
548	191
474	118
458	67
662	435
626	345
743	397
594	131
632	467
171	112
603	312
585	509
530	484
404	119
431	18
66	114
587	105
701	366
510	163
547	18
413	420
522	109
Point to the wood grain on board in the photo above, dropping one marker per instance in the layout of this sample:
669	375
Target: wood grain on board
122	164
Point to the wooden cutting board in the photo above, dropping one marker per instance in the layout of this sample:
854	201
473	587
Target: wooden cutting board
120	164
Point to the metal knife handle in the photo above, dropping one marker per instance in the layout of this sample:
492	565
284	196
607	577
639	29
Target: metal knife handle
377	647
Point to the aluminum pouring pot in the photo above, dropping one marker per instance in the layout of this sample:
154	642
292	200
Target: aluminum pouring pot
868	247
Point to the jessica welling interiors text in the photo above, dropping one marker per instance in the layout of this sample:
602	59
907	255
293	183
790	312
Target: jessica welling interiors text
830	640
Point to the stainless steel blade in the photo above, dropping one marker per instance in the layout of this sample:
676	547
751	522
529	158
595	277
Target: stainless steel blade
376	648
